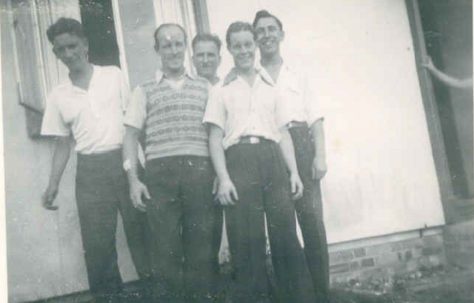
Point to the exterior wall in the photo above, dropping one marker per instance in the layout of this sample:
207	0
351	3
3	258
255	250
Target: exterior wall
44	249
381	176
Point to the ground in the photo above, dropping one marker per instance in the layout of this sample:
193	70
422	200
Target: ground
452	282
445	285
453	287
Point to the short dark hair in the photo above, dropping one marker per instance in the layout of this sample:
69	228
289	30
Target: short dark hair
205	38
265	14
164	25
65	26
236	27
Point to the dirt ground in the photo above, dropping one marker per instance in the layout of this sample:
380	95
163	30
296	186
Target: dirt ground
455	287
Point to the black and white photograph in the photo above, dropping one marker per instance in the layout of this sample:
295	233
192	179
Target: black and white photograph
250	151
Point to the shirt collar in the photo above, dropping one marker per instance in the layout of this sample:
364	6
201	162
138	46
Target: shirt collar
285	69
95	72
159	75
219	81
232	76
264	74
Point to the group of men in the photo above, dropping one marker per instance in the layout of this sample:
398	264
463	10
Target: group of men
250	145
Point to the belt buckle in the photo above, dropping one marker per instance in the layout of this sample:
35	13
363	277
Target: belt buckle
254	140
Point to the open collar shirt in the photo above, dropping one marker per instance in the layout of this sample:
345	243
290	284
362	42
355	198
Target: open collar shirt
94	117
298	98
241	109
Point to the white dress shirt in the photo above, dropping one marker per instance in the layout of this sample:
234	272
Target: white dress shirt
243	110
298	98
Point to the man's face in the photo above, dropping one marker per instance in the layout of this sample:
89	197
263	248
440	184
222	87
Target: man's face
268	35
242	48
206	59
71	50
171	48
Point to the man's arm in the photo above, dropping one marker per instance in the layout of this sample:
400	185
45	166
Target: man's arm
445	78
319	167
130	156
288	151
226	192
62	150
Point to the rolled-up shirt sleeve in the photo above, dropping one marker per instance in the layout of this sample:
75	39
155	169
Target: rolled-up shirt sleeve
282	111
315	111
53	123
215	109
136	110
124	90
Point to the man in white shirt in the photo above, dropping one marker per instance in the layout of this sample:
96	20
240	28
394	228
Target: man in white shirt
88	109
306	128
249	147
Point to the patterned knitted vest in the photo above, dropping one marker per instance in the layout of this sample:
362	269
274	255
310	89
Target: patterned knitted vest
174	125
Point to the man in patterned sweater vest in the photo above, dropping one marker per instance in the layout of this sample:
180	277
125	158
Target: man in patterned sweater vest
177	194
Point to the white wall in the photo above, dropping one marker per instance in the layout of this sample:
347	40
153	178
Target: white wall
381	175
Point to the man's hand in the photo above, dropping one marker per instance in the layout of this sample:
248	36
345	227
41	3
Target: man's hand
296	186
428	63
48	197
319	168
138	190
226	193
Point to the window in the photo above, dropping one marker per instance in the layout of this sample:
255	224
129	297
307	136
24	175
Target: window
36	68
181	12
137	20
28	60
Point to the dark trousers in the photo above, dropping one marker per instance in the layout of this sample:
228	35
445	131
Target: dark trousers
102	192
181	214
310	215
259	175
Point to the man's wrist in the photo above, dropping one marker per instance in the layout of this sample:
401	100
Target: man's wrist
127	165
130	169
294	174
224	179
132	176
53	184
320	155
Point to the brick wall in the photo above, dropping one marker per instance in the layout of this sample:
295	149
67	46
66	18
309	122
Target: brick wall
386	256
